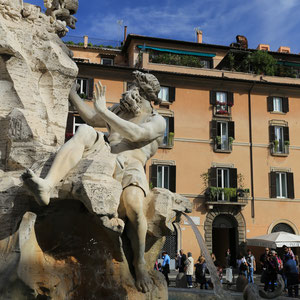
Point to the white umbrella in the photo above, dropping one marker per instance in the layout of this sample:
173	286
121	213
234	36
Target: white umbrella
275	240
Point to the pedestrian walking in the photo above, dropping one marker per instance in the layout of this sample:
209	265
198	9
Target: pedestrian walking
189	269
291	272
166	266
200	272
251	266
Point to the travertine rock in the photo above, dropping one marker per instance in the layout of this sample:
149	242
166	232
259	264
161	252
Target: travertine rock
77	247
36	73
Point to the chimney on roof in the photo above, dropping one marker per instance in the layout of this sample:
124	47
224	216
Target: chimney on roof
199	36
125	34
263	47
283	49
85	41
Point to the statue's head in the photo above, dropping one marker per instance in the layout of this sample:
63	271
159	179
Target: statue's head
145	87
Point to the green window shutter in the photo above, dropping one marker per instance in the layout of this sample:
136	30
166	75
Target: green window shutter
172	182
213	98
153	175
213	129
172	92
273	185
90	88
233	177
286	135
231	129
230	100
270	106
272	133
212	176
285	104
290	185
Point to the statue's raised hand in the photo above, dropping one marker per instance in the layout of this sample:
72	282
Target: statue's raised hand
99	98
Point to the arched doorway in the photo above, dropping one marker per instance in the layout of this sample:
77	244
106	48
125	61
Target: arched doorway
283	227
224	236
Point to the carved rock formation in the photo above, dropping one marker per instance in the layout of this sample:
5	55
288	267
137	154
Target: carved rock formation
76	247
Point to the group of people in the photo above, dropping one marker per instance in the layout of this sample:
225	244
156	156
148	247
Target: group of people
272	264
287	266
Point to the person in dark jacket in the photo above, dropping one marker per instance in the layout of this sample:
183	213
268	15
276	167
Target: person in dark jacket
182	261
291	272
271	271
200	272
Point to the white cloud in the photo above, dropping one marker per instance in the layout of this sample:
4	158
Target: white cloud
261	21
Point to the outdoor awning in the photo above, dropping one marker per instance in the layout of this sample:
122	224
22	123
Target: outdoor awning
203	54
275	240
288	63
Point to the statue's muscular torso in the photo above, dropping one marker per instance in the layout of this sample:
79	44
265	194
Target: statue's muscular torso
140	151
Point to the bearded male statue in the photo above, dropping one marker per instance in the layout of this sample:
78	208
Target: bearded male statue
135	132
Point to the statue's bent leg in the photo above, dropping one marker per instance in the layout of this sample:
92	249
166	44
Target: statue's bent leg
133	198
66	159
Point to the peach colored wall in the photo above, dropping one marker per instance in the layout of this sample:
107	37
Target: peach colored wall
193	152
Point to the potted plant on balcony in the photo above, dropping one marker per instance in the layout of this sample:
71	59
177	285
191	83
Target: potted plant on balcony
286	146
171	139
275	146
218	140
230	141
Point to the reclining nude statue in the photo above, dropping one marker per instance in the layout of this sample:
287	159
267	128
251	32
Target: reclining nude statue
135	131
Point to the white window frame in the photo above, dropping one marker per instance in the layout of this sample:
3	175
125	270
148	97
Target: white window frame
279	135
165	171
76	125
107	59
164	94
224	137
223	183
281	189
81	90
166	133
222	97
277	104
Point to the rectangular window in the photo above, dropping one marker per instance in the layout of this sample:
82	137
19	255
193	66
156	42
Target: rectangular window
223	135
86	87
279	140
222	102
168	139
163	176
277	104
281	185
164	93
107	61
83	87
77	122
222	181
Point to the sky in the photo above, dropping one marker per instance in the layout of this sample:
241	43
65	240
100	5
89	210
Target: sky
273	22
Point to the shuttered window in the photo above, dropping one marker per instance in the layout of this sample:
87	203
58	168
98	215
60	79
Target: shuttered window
277	104
282	185
163	176
167	94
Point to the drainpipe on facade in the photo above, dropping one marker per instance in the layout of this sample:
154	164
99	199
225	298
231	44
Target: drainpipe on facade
251	151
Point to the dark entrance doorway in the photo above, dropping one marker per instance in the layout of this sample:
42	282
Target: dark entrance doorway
224	236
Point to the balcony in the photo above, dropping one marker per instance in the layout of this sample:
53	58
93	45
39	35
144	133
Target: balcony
222	110
226	196
223	145
280	150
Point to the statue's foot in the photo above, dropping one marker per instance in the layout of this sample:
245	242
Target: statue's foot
38	187
143	281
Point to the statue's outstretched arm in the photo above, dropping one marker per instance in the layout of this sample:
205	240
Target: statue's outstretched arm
147	131
86	112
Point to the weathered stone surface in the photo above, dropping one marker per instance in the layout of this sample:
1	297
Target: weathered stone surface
36	73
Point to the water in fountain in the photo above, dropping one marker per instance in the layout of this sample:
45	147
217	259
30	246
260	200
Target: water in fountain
218	289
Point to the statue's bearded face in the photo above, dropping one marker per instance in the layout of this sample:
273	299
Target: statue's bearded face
131	101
